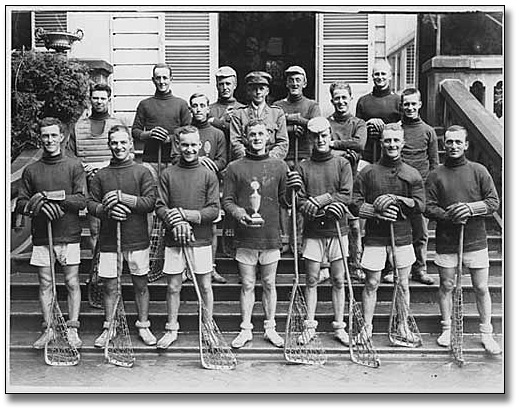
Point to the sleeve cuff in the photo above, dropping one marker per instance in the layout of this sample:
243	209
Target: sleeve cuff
366	211
478	208
324	200
192	216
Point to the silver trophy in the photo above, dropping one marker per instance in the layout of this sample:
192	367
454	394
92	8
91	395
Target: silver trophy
255	200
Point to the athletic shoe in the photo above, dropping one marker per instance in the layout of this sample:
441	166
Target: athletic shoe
74	339
102	339
490	345
306	336
44	339
388	278
422	277
342	336
147	337
406	338
444	339
167	339
217	278
272	336
242	338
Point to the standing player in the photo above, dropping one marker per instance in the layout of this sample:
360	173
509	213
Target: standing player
55	173
124	192
462	192
323	200
389	191
188	205
420	151
254	190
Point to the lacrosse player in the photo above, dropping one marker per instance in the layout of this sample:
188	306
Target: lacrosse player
388	191
323	199
462	192
124	192
188	204
53	189
254	190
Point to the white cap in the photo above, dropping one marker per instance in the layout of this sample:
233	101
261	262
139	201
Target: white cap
318	124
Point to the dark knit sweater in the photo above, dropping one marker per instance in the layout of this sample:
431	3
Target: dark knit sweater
219	111
131	178
394	177
48	174
462	181
192	187
382	104
308	109
163	110
270	173
325	173
420	146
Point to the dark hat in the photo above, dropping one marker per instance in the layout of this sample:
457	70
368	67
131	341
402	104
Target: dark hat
295	69
258	77
225	71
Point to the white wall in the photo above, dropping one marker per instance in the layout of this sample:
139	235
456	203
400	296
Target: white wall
96	39
398	28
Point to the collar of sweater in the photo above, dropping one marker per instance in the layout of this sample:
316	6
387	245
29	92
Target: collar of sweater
341	118
163	95
46	158
188	165
256	156
411	121
378	92
390	163
201	125
99	116
294	98
321	156
227	101
455	162
115	163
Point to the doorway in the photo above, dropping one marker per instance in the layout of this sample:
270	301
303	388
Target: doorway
268	42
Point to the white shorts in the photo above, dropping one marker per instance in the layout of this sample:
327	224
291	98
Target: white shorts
201	259
374	257
67	254
323	250
252	257
138	263
471	259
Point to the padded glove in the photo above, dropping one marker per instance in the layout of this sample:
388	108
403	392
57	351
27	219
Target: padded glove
310	209
110	199
383	201
52	210
173	217
390	213
336	210
119	212
160	134
294	180
183	234
34	205
208	163
458	213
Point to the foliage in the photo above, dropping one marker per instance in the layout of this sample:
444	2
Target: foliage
44	84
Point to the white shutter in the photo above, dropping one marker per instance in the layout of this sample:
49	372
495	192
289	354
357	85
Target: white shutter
49	21
410	65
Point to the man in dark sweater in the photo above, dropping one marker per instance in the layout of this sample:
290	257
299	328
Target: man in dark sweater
158	117
389	191
43	182
348	138
254	191
221	110
323	200
461	192
378	108
420	151
124	192
188	204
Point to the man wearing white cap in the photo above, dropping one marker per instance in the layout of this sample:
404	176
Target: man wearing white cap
221	110
258	89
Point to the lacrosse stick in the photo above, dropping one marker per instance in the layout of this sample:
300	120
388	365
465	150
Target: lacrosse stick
94	287
402	329
215	353
157	236
58	351
362	350
118	347
457	327
299	346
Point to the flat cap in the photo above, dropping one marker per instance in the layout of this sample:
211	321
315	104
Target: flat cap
258	77
318	124
295	69
225	71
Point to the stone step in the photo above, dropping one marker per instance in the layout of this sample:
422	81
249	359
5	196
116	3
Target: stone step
26	314
187	344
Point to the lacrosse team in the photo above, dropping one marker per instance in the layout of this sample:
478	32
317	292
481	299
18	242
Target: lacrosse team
372	180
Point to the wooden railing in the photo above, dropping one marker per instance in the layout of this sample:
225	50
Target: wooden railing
486	133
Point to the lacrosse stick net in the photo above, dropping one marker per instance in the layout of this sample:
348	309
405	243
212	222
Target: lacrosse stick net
457	322
157	236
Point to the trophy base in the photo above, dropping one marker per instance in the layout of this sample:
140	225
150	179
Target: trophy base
256	220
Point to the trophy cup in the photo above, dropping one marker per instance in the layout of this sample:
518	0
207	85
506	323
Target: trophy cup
255	200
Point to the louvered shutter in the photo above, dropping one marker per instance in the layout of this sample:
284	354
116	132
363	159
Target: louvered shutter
410	65
49	21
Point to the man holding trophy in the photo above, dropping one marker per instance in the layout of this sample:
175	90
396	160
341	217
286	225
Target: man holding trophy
254	190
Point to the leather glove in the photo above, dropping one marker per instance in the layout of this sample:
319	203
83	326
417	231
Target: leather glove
208	163
52	210
248	221
390	213
377	124
174	217
160	134
383	201
310	209
336	210
119	212
110	199
459	213
352	157
183	234
34	205
298	131
294	180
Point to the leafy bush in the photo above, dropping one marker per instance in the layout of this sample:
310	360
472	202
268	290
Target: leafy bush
44	84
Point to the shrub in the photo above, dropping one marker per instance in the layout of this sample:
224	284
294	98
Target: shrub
44	84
